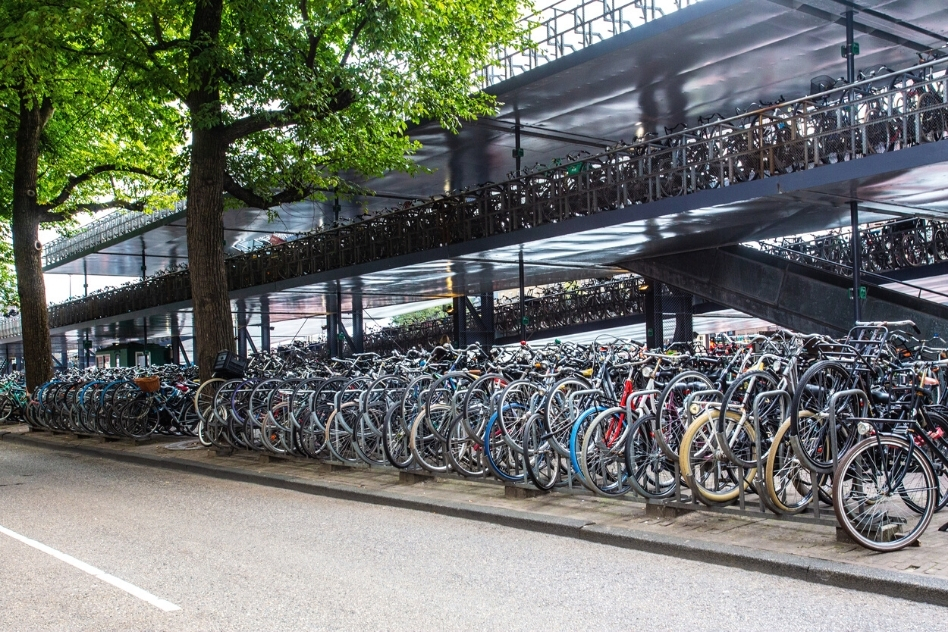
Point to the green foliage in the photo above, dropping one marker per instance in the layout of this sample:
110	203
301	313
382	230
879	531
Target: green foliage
104	113
311	93
110	140
8	293
421	316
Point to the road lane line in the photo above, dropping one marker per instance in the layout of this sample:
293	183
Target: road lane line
131	589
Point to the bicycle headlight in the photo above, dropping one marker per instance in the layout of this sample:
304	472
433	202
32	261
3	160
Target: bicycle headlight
863	428
647	372
695	409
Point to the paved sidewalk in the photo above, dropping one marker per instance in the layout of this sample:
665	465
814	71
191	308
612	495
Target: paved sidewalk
806	551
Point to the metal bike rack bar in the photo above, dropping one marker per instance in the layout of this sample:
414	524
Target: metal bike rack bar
689	416
759	483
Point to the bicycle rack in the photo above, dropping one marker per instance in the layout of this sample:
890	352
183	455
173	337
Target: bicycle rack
759	483
631	418
692	409
815	469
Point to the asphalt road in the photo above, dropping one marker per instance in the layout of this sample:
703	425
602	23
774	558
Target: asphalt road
237	556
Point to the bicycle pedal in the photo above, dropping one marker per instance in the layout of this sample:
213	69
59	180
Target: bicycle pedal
943	528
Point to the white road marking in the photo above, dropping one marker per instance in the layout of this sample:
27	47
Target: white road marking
131	589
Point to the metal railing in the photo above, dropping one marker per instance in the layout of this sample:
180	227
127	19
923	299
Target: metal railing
878	115
885	246
547	308
568	26
10	327
104	230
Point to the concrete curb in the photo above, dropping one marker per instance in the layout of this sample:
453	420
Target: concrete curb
839	574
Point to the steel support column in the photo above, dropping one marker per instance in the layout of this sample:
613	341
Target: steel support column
176	350
358	326
241	330
333	325
486	337
684	316
523	316
86	349
264	324
856	243
654	336
853	205
459	321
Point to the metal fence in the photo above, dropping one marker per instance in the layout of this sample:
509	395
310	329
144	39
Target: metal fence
568	26
106	229
885	246
879	115
547	308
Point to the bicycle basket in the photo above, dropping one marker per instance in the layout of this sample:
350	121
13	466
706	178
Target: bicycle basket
150	384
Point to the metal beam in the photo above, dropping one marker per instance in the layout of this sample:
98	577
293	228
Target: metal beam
789	294
265	324
358	326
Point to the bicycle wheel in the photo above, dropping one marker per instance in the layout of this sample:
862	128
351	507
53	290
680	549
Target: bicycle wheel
543	462
651	474
275	429
426	448
671	409
137	419
813	395
6	407
463	453
562	405
369	436
395	439
711	476
503	462
517	403
339	433
601	456
740	398
203	405
870	489
480	402
789	483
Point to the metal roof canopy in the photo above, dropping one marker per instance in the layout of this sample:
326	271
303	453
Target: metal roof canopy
714	56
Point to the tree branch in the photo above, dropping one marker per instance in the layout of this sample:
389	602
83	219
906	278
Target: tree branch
49	217
352	41
254	200
46	112
75	181
273	119
313	37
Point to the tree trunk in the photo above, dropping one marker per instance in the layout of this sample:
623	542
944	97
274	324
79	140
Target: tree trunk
27	255
213	326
